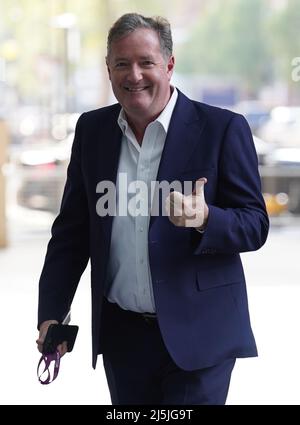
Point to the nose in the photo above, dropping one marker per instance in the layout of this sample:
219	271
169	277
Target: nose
135	74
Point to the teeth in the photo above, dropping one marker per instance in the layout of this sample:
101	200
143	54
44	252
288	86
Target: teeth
135	90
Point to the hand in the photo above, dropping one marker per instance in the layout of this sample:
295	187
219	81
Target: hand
190	210
62	348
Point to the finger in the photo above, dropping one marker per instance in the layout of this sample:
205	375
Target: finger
168	206
174	201
62	348
39	346
176	197
40	341
199	185
42	334
65	347
177	204
44	329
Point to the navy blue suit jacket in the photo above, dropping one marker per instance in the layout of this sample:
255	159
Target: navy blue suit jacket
198	280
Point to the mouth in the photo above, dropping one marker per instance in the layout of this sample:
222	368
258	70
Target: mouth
135	89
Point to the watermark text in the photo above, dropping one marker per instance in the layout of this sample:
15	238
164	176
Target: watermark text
139	198
296	69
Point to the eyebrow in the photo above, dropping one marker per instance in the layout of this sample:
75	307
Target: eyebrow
147	57
120	59
126	59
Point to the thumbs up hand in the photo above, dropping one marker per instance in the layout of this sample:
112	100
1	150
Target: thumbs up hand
190	210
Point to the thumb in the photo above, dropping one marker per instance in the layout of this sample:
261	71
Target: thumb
199	185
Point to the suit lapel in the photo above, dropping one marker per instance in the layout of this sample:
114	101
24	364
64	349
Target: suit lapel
107	160
183	135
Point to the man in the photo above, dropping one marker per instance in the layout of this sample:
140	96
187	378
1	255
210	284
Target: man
169	303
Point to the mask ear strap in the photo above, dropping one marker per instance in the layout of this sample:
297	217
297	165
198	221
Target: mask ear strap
48	359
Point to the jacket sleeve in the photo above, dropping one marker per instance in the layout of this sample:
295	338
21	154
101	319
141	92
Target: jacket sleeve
68	249
238	221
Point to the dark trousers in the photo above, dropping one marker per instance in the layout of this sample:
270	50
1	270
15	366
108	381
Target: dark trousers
139	369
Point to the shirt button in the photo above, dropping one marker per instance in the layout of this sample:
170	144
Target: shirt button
141	229
142	261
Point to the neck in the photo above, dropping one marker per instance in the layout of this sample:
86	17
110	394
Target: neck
138	124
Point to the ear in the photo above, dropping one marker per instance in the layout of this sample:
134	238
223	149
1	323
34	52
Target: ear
170	66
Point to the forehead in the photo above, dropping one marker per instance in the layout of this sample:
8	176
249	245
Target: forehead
140	42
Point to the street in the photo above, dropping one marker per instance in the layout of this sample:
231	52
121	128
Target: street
274	292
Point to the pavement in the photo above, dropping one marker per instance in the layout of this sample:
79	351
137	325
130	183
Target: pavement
272	274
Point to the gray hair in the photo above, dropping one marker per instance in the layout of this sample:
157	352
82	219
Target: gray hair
131	21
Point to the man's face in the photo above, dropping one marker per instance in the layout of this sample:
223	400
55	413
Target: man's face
139	74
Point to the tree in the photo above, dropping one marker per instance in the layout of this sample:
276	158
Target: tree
285	26
230	40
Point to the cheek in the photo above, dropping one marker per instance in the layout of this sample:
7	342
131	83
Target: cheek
115	79
118	85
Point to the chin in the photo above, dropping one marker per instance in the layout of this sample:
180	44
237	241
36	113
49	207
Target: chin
138	106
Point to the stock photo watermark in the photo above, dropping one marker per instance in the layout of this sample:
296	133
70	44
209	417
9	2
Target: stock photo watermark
139	198
296	69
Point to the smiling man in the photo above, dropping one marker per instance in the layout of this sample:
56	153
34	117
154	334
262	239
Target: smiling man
169	301
140	71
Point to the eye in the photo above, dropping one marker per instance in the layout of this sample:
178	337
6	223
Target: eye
120	64
147	63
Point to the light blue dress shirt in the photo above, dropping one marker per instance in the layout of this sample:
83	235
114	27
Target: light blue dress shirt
129	281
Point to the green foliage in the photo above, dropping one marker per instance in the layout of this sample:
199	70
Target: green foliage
285	43
247	39
28	40
230	40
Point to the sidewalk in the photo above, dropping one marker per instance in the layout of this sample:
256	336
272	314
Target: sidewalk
20	266
274	293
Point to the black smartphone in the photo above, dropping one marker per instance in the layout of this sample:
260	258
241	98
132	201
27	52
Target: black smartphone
58	333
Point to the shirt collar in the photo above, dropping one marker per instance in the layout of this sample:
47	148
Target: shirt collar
164	118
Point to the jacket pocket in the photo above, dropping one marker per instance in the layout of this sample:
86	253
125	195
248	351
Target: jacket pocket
219	270
204	284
